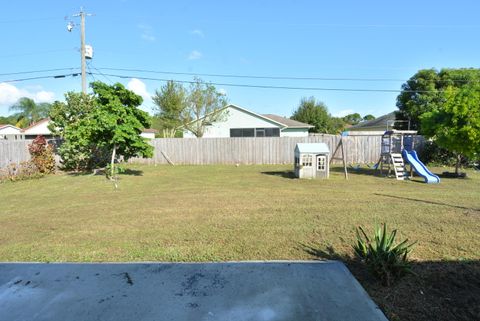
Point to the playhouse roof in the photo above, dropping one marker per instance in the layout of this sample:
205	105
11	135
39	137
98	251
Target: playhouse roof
314	148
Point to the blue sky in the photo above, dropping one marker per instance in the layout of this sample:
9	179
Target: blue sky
323	39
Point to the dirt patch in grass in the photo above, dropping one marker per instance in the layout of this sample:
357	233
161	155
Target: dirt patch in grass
440	291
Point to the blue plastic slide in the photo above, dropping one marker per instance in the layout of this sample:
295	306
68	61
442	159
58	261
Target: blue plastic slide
412	158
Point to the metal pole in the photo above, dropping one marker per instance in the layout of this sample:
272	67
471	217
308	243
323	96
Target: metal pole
82	51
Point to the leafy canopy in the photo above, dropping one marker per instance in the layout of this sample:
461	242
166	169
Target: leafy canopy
97	127
455	124
29	112
315	113
424	92
170	102
204	106
193	108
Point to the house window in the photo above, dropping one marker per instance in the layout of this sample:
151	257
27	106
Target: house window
272	132
307	160
321	163
254	132
259	132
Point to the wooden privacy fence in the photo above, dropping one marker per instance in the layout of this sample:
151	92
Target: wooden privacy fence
13	151
203	151
260	150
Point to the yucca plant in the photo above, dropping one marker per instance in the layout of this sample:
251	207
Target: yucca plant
385	259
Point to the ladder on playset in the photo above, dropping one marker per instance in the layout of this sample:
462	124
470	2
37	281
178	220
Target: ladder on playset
398	166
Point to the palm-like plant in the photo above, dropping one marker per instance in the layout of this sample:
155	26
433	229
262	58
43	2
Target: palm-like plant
385	259
28	111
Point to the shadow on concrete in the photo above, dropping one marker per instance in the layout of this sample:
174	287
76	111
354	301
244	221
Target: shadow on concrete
428	202
438	290
285	174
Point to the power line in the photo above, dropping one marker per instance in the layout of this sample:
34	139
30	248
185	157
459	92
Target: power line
35	53
276	87
41	77
253	76
101	73
90	72
272	77
35	71
29	20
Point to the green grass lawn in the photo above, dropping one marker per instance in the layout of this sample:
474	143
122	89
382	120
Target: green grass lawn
218	213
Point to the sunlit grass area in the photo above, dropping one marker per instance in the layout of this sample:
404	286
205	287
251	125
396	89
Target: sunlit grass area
224	213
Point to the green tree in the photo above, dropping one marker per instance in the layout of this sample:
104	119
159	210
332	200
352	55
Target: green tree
8	120
455	124
315	113
336	125
423	92
205	105
29	112
76	107
368	117
78	152
109	122
170	103
352	119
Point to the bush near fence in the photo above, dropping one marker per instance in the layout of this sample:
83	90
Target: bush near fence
207	151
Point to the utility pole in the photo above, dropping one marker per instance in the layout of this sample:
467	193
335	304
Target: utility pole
82	51
70	26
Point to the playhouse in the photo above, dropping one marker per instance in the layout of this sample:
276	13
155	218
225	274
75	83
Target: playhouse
312	160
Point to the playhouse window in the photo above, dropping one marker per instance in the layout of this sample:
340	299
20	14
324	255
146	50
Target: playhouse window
307	160
321	163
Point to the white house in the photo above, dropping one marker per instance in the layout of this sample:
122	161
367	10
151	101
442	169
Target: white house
38	128
149	133
10	132
240	122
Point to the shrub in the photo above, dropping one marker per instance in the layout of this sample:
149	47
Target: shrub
42	155
436	155
18	172
383	258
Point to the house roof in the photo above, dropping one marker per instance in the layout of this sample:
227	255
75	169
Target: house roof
36	124
377	123
149	130
245	111
257	115
282	122
287	122
320	148
8	125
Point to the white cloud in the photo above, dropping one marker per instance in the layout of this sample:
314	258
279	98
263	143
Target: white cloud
198	32
44	96
194	55
146	33
343	113
139	87
10	94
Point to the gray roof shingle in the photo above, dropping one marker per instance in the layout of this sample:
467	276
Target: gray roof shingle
287	121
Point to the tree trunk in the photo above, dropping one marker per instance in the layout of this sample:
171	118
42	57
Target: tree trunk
457	165
112	163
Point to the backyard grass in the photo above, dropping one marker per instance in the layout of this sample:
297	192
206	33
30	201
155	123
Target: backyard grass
224	213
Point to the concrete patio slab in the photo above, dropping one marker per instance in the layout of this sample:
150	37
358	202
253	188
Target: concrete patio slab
184	291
